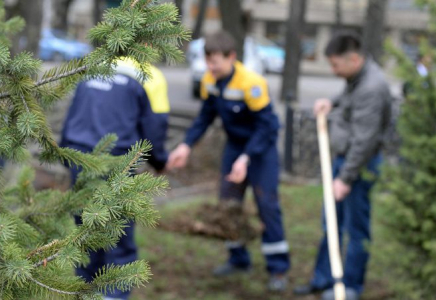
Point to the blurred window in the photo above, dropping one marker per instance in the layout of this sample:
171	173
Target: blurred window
402	5
276	32
410	42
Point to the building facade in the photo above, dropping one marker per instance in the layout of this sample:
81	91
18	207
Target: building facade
405	23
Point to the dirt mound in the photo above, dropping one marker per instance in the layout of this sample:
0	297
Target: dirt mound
227	220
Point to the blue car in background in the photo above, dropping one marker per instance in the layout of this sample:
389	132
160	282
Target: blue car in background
272	55
55	45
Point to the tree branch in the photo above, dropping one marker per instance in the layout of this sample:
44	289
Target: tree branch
53	289
36	227
42	248
133	161
26	218
46	260
63	75
50	79
2	289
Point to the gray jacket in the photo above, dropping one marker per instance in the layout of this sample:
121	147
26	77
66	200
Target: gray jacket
359	119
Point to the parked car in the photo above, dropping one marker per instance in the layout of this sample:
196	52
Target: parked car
272	55
55	45
197	61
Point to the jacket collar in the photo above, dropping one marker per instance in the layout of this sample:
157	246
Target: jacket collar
354	81
237	69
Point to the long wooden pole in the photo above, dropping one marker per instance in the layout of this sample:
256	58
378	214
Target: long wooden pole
330	208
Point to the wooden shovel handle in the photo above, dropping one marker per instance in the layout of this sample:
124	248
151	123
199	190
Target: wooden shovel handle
330	207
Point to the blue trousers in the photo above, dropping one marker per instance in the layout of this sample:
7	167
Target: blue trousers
354	216
263	176
124	253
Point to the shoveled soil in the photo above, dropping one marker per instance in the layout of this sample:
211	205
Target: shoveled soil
226	220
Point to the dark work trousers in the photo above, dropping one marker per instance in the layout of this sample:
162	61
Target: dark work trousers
124	253
354	217
263	176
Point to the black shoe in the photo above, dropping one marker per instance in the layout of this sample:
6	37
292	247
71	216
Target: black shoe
278	283
304	290
228	269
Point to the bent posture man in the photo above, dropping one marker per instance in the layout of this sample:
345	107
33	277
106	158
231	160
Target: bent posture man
240	98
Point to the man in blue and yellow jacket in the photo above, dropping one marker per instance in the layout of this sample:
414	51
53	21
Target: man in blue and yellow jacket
240	98
134	111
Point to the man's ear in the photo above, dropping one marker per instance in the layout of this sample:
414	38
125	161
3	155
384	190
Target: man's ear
354	57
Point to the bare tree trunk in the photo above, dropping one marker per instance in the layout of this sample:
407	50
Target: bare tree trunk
291	72
338	14
233	21
60	14
31	11
179	5
200	19
295	28
99	7
373	35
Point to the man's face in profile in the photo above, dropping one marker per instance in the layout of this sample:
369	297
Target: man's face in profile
220	65
346	65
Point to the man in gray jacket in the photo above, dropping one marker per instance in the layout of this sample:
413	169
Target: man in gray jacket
358	120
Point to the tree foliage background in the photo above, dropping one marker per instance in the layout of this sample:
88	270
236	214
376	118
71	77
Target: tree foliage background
39	243
408	190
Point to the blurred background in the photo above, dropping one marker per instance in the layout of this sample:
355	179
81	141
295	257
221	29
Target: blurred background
282	39
266	21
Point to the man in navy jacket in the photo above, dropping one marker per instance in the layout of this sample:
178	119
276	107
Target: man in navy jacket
240	98
132	110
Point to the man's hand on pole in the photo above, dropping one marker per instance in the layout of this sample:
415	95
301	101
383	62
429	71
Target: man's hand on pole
340	189
322	105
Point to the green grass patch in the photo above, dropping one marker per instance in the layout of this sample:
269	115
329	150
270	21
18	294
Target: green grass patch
182	264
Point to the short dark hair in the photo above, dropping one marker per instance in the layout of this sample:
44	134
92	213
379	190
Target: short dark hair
343	43
219	42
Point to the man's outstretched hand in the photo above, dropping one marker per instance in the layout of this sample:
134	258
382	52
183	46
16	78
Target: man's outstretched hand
239	170
178	158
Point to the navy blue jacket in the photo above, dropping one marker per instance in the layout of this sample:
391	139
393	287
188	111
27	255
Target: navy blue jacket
119	106
245	108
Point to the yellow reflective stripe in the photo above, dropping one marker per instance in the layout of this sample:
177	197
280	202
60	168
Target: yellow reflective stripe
203	91
207	82
233	94
275	248
157	91
212	90
257	96
254	86
155	86
129	67
244	84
